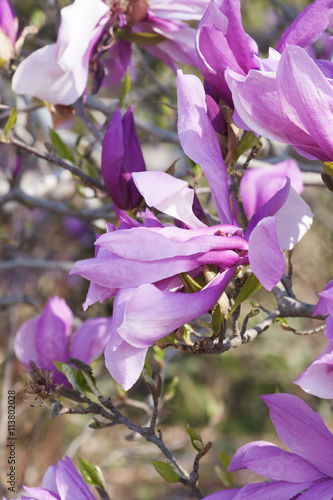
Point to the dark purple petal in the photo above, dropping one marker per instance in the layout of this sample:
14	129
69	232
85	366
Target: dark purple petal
323	490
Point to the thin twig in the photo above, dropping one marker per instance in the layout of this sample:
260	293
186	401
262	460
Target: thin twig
89	181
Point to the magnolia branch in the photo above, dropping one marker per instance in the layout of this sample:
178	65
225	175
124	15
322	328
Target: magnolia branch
109	412
20	196
89	181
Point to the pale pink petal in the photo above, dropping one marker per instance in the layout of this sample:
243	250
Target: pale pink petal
169	195
199	142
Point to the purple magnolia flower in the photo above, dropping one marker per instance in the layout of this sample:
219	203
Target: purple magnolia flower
140	264
60	483
58	73
121	156
317	379
289	100
222	43
47	338
309	467
260	184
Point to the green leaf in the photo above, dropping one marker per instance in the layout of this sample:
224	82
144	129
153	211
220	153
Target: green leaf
217	318
249	140
61	148
171	389
91	474
11	122
195	439
169	473
251	286
141	38
73	376
190	285
225	459
127	85
148	367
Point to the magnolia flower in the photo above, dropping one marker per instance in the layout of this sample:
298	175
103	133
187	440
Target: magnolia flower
60	483
289	100
309	467
140	264
58	73
47	338
317	379
121	156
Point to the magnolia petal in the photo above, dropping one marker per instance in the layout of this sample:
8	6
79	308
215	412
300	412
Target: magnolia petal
274	491
302	430
270	461
325	303
308	25
123	361
40	494
53	333
169	195
317	379
70	483
151	314
25	341
322	490
90	339
78	22
307	97
293	220
266	259
50	83
199	142
181	10
49	479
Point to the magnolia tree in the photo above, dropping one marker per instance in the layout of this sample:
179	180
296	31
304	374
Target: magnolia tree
182	260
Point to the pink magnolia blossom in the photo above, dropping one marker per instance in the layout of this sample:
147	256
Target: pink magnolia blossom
307	467
289	100
140	264
317	379
62	482
58	73
47	338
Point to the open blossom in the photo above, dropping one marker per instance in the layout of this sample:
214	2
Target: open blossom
309	467
317	379
62	482
47	338
289	100
58	73
140	264
121	156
